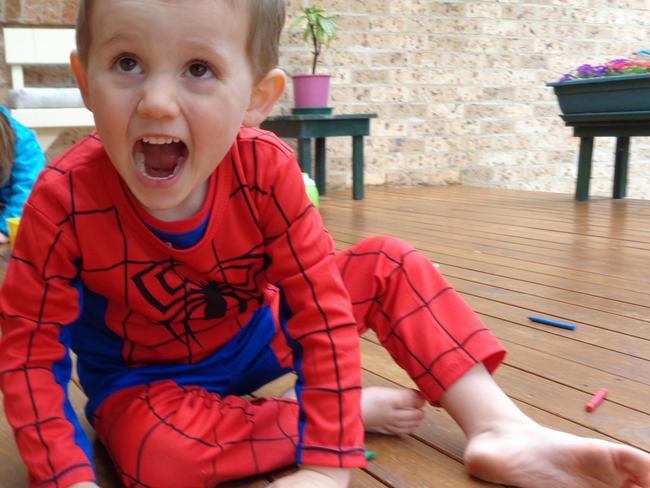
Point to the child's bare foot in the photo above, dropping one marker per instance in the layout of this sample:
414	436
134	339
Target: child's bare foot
537	457
392	411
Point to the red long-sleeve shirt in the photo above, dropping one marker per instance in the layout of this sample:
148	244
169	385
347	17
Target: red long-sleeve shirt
87	272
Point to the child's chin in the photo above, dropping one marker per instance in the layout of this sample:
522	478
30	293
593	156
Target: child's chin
162	210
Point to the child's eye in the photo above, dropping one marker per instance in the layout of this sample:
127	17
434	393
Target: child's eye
199	70
127	64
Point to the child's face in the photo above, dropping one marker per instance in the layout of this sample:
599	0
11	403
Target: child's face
169	84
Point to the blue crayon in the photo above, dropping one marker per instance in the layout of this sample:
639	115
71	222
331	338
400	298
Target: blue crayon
554	323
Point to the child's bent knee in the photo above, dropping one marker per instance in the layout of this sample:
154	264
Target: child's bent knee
392	246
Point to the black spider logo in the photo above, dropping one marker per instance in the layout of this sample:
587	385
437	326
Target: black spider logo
181	299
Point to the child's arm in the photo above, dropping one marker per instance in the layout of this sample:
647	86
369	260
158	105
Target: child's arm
28	163
39	304
321	330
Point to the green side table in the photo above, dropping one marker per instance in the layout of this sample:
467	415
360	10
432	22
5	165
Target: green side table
621	125
320	127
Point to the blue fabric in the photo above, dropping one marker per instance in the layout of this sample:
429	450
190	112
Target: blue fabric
61	372
182	240
28	163
241	366
298	353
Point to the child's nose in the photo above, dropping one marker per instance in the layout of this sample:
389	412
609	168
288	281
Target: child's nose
158	99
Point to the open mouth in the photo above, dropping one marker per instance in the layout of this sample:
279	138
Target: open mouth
159	158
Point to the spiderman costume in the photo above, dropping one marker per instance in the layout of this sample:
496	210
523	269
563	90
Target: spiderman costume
171	322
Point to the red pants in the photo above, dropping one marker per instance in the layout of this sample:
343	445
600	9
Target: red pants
164	435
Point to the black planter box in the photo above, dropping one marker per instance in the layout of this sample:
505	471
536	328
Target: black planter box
609	94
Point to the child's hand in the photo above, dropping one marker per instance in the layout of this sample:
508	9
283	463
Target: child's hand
315	477
4	238
85	484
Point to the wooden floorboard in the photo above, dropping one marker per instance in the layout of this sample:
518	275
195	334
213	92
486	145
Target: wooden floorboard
510	254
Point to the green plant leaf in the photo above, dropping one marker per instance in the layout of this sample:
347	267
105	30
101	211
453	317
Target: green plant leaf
328	27
318	29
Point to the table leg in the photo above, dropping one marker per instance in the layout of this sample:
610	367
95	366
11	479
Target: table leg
304	155
357	167
320	165
584	168
620	167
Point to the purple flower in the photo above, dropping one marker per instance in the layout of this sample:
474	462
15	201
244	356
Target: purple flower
585	70
618	66
599	71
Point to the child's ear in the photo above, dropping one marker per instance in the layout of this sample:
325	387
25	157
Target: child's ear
267	91
80	74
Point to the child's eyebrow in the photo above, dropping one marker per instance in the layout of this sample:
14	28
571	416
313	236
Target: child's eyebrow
205	48
121	37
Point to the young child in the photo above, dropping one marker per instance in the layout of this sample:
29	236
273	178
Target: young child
21	160
177	254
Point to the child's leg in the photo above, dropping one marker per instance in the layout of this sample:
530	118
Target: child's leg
423	323
445	348
507	447
164	435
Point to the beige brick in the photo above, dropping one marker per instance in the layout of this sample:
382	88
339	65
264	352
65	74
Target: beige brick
32	12
391	59
497	126
381	109
350	59
339	75
69	13
445	110
534	12
459	26
384	23
370	77
476	175
546	110
501	28
12	10
348	23
488	10
498	110
370	6
388	94
435	144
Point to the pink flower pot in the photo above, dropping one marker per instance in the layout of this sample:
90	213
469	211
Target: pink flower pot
311	91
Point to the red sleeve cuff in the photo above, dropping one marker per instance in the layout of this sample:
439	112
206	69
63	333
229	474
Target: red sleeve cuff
318	457
72	476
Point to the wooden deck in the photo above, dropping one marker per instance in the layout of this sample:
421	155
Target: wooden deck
510	254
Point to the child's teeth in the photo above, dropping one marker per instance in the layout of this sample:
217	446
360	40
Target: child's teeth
160	140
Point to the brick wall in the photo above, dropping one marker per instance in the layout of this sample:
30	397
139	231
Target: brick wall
458	85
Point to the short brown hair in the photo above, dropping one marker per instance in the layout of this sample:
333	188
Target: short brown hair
266	20
7	148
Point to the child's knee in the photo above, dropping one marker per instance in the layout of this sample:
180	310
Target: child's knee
392	247
153	448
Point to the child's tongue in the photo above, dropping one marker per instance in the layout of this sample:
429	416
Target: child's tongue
160	160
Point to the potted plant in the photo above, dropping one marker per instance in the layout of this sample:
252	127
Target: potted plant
619	86
311	91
